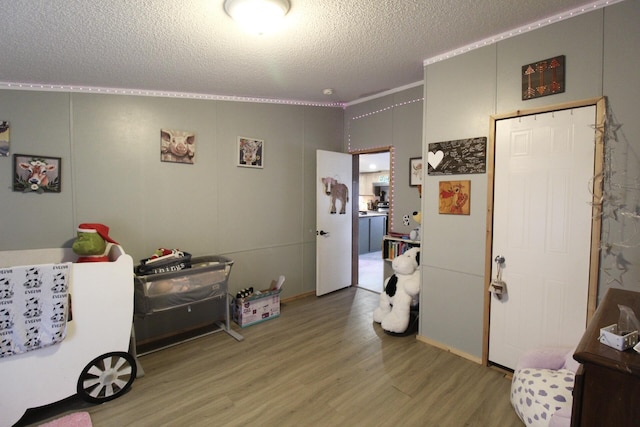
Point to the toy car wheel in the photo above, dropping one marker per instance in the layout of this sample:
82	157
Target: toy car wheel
107	377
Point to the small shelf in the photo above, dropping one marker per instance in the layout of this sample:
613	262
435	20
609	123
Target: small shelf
394	246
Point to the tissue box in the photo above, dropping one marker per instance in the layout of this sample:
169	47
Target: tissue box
610	336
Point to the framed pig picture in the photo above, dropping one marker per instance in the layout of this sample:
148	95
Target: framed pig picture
177	146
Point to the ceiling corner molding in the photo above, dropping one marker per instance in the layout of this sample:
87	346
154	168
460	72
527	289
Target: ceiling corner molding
521	30
385	93
160	94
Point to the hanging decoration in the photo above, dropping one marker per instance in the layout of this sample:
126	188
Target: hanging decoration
543	78
619	204
36	174
4	138
454	197
463	156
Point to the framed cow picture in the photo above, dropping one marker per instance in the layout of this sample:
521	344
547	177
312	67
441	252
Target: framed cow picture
38	174
250	153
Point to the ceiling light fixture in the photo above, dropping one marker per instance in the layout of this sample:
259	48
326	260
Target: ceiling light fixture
257	16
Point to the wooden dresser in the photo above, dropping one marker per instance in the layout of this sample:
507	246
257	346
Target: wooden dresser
607	385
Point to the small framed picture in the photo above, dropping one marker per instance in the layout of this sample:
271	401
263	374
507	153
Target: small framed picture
415	171
250	152
177	146
4	138
454	197
39	174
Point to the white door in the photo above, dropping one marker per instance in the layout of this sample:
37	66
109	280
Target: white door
333	221
544	166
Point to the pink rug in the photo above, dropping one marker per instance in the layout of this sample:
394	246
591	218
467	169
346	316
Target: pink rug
77	419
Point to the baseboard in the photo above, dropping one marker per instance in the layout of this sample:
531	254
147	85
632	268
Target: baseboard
300	296
449	349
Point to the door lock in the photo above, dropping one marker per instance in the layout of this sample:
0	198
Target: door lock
498	287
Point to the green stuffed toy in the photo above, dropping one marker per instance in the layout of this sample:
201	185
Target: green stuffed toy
93	243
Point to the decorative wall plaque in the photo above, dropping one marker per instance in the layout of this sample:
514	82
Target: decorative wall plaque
454	197
458	157
543	78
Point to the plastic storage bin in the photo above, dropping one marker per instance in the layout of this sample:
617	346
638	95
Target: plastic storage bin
205	280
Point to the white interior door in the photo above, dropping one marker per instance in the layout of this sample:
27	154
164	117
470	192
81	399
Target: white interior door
542	227
333	221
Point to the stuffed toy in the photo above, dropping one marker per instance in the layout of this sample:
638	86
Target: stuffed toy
415	233
400	293
93	243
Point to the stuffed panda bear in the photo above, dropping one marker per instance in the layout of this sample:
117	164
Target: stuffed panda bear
401	292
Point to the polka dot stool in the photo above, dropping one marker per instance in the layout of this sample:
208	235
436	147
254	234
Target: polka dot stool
542	386
537	394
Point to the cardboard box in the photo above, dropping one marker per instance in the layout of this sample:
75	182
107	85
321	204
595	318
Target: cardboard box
257	308
261	306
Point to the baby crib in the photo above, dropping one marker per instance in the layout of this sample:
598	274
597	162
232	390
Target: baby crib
92	358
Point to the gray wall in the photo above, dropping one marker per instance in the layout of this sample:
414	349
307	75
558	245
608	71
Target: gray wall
264	219
391	120
461	93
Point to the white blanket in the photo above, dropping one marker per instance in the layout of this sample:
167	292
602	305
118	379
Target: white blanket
34	303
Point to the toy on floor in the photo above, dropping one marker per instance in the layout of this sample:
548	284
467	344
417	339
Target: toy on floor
93	243
400	293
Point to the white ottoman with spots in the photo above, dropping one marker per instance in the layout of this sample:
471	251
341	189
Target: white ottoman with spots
543	397
542	386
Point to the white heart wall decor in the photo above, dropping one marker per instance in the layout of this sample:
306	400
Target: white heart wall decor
434	159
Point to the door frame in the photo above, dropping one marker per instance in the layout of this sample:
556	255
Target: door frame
596	223
355	230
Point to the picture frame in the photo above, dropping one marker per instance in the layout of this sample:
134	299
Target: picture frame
543	78
4	138
250	152
458	157
415	171
37	174
454	197
177	146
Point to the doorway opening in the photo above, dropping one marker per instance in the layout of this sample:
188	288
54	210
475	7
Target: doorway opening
374	206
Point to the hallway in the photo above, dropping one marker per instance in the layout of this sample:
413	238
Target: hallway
371	271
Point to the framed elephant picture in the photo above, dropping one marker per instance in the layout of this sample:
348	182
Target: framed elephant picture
415	171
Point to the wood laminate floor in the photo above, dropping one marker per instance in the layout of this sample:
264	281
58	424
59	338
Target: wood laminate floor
323	362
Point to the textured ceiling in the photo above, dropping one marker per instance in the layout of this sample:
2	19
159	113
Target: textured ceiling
356	47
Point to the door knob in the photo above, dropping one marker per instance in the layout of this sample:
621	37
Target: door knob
499	259
322	233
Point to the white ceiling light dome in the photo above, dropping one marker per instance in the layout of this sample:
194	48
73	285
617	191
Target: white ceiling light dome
257	16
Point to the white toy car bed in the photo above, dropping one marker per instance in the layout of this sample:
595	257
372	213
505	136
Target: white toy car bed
47	355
